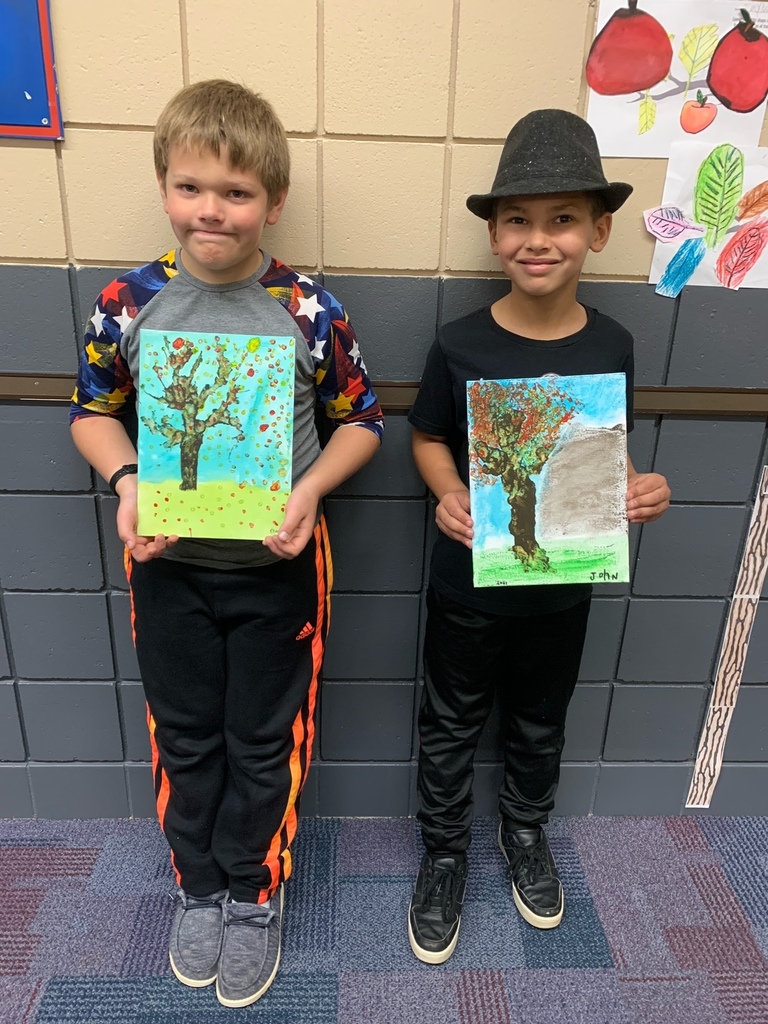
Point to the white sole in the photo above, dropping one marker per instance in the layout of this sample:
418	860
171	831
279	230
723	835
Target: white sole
189	982
535	920
425	955
237	1004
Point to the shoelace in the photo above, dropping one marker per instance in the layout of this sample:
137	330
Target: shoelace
257	916
532	859
439	890
194	902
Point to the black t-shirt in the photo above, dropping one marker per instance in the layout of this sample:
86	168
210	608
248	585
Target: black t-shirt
476	347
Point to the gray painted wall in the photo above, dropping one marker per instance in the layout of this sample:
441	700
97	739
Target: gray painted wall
72	732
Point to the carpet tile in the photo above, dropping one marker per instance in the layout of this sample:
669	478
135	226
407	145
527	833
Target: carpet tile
666	922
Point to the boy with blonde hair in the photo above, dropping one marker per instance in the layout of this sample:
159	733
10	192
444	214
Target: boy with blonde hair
549	206
229	634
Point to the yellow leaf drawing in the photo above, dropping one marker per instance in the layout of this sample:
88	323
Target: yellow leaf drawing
647	114
697	49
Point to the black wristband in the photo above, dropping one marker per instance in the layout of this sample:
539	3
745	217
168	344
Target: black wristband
120	473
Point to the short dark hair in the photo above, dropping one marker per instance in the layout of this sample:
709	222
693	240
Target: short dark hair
598	204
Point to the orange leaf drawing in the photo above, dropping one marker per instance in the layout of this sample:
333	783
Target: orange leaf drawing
753	202
742	253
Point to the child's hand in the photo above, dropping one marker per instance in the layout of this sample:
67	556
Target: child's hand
453	518
298	525
647	497
143	549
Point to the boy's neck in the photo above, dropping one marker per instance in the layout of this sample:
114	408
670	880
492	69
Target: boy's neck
540	317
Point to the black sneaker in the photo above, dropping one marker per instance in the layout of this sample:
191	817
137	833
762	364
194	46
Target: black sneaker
434	915
536	884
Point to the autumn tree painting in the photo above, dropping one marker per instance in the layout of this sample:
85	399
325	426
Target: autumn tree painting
516	426
188	395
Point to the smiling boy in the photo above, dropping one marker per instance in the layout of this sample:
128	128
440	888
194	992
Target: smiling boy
229	635
549	206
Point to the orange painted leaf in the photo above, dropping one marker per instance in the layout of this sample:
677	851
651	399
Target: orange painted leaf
753	202
742	253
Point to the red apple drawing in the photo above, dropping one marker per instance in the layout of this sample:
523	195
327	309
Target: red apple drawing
697	114
738	71
630	54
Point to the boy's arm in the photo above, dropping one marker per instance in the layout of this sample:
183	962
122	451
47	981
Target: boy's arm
344	389
348	450
648	495
102	441
438	470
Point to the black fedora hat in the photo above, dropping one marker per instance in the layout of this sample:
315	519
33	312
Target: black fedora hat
550	151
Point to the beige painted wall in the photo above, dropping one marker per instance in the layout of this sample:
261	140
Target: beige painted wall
395	111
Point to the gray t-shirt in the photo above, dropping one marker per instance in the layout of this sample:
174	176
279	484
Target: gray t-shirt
275	300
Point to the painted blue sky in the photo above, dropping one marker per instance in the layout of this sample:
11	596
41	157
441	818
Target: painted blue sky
263	368
603	397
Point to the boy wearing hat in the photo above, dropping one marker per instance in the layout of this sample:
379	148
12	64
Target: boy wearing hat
549	206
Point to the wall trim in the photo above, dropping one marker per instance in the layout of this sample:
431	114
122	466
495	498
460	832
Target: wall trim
398	396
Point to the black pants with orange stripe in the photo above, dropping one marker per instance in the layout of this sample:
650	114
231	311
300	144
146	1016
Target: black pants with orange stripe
230	662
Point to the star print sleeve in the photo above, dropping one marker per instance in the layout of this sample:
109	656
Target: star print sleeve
104	383
341	378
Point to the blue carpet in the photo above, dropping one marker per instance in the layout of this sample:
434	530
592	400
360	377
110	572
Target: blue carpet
666	922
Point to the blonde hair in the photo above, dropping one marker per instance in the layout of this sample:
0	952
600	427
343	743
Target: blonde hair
216	113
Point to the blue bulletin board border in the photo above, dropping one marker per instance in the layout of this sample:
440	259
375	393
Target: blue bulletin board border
36	23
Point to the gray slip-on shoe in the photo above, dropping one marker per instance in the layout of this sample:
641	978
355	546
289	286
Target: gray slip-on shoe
196	936
250	953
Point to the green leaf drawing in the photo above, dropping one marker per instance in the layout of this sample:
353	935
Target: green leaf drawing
697	48
718	190
647	114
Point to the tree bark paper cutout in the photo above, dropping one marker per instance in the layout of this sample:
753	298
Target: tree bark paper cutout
547	458
215	433
733	653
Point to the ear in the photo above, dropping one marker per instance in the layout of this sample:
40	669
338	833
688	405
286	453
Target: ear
603	227
277	208
163	193
492	233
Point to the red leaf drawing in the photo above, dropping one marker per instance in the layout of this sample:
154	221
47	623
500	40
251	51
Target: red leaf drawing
742	253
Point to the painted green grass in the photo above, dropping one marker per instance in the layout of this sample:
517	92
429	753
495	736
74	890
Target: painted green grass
218	509
572	560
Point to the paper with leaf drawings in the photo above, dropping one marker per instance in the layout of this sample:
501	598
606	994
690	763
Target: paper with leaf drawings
661	71
712	225
548	479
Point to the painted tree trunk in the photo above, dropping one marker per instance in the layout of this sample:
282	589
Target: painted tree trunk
190	454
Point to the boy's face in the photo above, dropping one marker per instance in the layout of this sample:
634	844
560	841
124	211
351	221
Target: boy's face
217	213
543	240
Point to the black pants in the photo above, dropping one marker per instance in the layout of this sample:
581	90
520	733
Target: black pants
534	663
230	662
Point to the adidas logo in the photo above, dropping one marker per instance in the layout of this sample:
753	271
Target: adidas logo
308	630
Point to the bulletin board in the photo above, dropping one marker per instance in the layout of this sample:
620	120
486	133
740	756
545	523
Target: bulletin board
29	101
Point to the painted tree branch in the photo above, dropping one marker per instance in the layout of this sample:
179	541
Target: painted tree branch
680	88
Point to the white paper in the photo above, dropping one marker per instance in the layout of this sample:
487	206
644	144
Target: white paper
684	163
616	119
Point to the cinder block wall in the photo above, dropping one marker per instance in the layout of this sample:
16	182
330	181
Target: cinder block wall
395	113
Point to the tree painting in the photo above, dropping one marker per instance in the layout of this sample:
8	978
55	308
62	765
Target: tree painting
516	429
189	396
547	468
215	433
